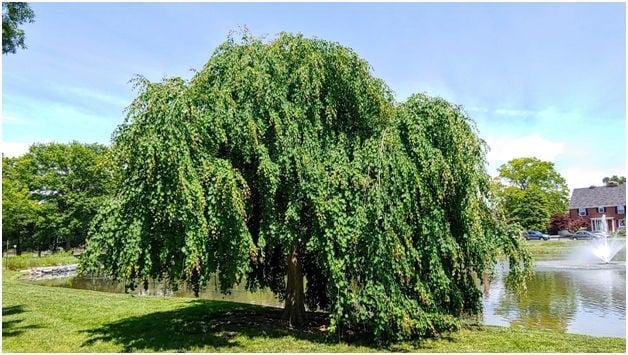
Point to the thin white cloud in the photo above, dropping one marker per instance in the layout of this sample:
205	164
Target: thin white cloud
584	175
60	120
478	109
92	95
590	161
14	149
12	119
503	149
515	113
578	164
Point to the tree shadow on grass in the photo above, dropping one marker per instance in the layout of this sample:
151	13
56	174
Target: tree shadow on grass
10	325
204	324
9	311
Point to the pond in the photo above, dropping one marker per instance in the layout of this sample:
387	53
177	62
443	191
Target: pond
583	301
572	291
569	295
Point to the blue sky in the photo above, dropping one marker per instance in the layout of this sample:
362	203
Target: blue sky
539	79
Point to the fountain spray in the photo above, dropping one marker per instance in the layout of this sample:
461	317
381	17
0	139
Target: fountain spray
606	247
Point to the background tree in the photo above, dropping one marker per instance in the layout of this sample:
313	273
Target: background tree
621	180
288	161
562	221
559	222
20	212
14	14
531	210
70	182
51	194
524	179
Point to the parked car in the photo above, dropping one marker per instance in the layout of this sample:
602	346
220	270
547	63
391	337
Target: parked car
537	235
585	235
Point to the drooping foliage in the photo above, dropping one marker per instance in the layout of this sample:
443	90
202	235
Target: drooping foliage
287	160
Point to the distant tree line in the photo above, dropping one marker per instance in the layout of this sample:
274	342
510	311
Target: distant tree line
621	180
51	194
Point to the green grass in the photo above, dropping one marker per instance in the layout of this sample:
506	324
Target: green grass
53	319
27	261
551	248
562	248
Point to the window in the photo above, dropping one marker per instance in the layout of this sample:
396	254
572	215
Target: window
621	209
582	211
601	210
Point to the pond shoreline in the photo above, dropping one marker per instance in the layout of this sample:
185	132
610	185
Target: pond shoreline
50	272
109	323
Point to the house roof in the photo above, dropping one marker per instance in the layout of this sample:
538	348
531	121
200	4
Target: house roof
598	196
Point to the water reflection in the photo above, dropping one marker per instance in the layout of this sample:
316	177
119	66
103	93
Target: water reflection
583	301
238	293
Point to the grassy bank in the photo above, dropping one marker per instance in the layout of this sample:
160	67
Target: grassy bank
50	319
30	260
552	248
562	248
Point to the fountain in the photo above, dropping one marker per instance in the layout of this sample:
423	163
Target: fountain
606	247
601	253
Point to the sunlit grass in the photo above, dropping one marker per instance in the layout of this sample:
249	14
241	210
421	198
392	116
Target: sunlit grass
562	248
30	260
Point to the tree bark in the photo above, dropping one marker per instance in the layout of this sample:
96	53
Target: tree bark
294	308
18	244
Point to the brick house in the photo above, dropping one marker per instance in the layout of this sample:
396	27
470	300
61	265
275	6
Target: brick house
597	202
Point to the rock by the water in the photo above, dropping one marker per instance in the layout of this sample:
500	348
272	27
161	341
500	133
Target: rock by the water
51	272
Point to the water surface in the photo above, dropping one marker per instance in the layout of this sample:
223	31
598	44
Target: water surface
583	301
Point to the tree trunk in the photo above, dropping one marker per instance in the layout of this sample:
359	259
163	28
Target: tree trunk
18	245
294	308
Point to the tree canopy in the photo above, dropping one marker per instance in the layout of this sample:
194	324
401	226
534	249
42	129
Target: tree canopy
14	14
618	179
287	165
530	191
20	212
531	210
51	193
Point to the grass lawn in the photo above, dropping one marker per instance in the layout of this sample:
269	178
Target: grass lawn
562	248
30	260
551	248
53	319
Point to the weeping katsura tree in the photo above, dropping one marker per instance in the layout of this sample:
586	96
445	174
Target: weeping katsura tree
287	165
